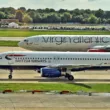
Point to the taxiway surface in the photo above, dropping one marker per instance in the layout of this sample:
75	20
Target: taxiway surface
12	38
24	76
24	101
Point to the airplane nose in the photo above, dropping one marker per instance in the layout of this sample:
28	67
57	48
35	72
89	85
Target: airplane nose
20	44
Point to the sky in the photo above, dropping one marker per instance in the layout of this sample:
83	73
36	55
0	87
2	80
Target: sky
57	4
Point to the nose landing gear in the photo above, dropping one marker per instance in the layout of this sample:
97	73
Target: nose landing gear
10	75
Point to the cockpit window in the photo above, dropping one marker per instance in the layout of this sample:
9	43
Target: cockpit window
25	40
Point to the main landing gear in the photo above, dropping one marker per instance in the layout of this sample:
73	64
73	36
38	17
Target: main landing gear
10	75
69	76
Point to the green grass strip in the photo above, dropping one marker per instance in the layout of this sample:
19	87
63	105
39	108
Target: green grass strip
27	33
9	43
56	86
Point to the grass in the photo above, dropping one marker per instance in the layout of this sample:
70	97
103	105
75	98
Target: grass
57	87
27	33
9	43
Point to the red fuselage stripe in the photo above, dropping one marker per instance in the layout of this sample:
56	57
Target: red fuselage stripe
17	55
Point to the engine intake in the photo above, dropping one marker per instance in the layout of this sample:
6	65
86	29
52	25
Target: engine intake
50	72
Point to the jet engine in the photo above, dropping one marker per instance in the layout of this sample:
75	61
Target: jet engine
99	49
96	50
50	72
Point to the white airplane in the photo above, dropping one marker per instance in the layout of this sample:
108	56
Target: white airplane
65	42
51	64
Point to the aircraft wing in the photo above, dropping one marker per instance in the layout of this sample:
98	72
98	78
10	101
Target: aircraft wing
71	66
101	46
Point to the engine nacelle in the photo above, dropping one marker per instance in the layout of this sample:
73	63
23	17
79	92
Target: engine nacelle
50	72
96	50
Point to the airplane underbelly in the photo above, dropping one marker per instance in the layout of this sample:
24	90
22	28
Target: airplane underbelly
66	47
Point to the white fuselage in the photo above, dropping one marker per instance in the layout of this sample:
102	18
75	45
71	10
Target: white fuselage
18	58
64	42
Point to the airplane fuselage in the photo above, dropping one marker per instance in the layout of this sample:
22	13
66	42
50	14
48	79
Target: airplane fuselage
64	42
32	60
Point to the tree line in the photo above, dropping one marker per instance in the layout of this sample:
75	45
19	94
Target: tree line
56	16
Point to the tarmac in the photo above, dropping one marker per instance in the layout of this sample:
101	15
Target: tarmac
31	76
27	101
12	38
5	49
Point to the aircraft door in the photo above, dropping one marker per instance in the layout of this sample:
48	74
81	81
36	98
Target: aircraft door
10	59
56	59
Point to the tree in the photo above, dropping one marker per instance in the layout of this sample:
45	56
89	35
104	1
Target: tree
47	10
62	11
37	18
99	13
50	15
2	15
88	11
23	9
30	10
66	17
40	11
32	14
85	20
99	21
27	19
52	10
19	15
11	16
53	18
108	21
11	10
104	21
92	19
76	12
78	18
44	18
107	14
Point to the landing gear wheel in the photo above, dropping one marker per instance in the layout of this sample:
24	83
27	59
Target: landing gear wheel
10	77
70	77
